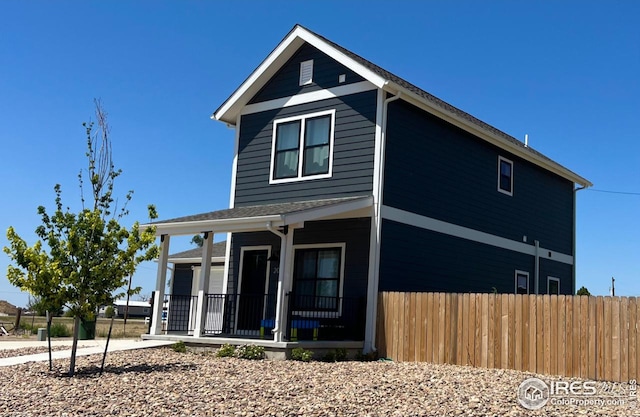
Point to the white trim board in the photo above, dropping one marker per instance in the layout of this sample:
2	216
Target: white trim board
278	103
439	226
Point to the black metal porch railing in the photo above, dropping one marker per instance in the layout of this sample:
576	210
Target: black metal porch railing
325	318
179	313
239	314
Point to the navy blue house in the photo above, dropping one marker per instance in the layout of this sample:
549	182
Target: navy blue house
348	180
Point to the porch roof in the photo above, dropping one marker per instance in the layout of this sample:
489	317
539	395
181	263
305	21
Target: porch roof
260	217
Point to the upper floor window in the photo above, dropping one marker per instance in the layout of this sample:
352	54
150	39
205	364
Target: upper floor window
505	176
302	147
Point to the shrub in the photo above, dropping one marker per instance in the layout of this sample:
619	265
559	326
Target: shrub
28	328
367	357
300	354
336	355
59	330
250	352
179	347
109	312
226	351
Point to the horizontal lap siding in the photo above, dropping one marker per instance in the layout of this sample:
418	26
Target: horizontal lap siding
353	153
325	75
435	169
355	234
414	259
564	272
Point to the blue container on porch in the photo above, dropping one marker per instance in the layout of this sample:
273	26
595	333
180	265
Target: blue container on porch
304	329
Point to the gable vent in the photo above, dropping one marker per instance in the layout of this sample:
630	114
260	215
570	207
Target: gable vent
306	72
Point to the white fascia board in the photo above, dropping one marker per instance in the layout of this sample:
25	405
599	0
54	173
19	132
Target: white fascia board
415	99
328	211
310	97
245	224
285	50
214	259
439	226
276	59
345	60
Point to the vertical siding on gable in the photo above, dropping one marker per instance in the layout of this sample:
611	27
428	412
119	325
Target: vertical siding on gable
435	169
353	153
325	75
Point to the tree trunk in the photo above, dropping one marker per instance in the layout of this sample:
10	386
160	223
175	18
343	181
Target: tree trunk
74	347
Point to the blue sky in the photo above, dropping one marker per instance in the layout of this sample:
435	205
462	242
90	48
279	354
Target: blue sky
565	73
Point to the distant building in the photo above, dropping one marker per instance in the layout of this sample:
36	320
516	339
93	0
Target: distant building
137	309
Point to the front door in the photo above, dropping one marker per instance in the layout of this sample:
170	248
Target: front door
251	298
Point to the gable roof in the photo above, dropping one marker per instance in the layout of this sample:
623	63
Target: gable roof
381	78
195	255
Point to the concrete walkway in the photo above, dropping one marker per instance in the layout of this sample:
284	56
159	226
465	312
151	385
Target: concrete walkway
85	347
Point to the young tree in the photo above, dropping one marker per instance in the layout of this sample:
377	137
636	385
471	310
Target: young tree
89	255
583	291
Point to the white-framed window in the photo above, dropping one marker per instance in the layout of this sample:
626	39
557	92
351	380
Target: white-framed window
505	175
306	72
553	286
522	282
318	277
302	147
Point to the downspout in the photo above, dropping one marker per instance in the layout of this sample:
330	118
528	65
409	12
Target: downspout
279	290
575	226
373	295
537	267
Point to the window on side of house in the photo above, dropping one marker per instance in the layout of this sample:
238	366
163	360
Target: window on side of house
302	147
505	176
553	286
317	278
522	282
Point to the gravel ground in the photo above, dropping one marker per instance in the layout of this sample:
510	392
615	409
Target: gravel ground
160	382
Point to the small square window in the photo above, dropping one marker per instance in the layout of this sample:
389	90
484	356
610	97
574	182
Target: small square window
553	286
522	282
505	176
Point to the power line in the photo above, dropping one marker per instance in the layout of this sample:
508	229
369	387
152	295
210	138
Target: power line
612	192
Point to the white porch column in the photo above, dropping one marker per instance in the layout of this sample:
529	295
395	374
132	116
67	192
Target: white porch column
161	283
278	330
203	283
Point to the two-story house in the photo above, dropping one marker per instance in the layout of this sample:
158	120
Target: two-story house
348	180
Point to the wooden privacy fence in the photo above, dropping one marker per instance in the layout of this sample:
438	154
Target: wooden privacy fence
576	336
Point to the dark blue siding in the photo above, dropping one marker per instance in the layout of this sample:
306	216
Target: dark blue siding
435	169
352	158
559	270
325	75
414	259
355	233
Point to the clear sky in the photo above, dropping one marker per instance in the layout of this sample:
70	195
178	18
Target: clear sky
565	73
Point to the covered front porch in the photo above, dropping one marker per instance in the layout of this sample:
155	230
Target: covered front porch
282	285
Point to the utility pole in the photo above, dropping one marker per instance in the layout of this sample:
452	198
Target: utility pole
613	287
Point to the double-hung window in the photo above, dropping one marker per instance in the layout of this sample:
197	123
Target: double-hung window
505	176
317	278
302	147
522	282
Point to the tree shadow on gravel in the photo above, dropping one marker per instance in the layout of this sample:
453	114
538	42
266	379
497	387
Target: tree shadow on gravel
94	371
